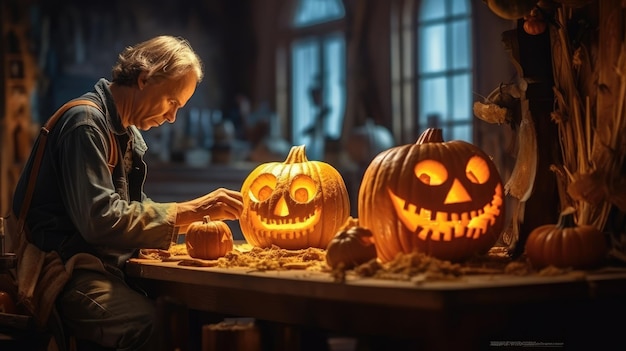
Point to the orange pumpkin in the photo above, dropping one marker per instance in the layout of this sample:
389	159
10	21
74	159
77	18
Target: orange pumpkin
208	239
351	246
7	303
444	199
534	23
535	26
565	244
295	204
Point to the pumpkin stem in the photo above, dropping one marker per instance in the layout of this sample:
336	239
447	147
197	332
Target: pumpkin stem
206	219
431	135
566	219
297	154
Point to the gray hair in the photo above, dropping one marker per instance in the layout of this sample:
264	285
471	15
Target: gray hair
162	57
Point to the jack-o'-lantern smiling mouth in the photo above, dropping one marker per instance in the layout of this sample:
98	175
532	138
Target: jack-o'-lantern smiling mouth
444	226
286	226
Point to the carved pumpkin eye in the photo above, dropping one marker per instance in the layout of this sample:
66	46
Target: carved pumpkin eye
303	189
477	170
262	187
431	172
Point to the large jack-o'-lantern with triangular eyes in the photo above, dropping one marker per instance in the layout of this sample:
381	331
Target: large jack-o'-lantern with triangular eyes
444	199
295	204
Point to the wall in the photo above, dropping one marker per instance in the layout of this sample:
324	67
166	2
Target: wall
492	65
76	42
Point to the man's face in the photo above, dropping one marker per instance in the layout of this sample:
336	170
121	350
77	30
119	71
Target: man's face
157	102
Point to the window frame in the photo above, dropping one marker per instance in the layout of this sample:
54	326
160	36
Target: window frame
283	62
404	82
449	73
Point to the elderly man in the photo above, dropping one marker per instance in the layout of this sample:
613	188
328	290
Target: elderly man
87	203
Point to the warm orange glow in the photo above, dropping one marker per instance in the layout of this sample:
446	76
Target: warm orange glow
303	188
285	204
262	187
445	226
457	194
477	170
444	199
285	224
431	172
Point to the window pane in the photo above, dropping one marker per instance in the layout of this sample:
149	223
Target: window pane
461	97
432	9
334	61
460	7
305	68
445	67
459	132
460	40
433	108
432	48
311	12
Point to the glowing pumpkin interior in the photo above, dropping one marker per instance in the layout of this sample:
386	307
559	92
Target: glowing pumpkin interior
295	211
296	204
434	222
442	198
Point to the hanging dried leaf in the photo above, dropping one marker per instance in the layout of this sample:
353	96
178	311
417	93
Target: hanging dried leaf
522	179
490	113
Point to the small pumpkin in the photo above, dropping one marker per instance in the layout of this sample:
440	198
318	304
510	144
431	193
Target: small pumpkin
295	204
208	240
351	246
7	303
444	199
535	24
565	244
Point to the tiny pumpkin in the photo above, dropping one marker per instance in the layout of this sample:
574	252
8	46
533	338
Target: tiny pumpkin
208	240
534	23
295	204
7	303
444	199
565	244
351	246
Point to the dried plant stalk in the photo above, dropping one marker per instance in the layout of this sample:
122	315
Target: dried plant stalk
592	148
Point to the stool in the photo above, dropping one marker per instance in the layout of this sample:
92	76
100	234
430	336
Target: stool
172	324
231	335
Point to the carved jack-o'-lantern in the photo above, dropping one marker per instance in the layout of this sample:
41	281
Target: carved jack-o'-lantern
441	198
295	204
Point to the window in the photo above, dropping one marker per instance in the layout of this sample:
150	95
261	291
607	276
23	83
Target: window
310	12
317	91
444	67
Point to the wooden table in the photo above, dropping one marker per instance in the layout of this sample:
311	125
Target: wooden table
475	312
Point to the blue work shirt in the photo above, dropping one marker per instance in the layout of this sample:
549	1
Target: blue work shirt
79	204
